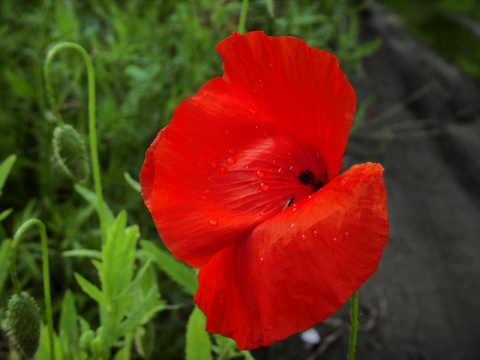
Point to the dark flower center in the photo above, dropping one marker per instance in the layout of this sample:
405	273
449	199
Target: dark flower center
307	178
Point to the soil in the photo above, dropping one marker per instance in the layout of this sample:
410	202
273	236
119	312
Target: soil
424	127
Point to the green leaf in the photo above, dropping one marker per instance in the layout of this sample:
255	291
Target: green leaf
270	7
177	271
4	214
91	197
228	348
5	168
90	289
116	271
44	351
93	254
21	87
68	327
142	313
143	276
199	344
145	340
132	182
4	253
118	257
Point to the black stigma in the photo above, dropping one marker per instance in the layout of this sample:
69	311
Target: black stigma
307	178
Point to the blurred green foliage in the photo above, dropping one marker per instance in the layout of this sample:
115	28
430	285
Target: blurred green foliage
451	27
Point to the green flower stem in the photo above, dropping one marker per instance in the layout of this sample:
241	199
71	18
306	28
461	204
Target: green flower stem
45	270
353	326
91	120
243	17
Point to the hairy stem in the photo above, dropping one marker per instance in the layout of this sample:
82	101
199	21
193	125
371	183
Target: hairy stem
45	270
353	326
91	120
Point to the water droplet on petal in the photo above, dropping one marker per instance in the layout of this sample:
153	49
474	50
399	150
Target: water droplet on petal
335	239
213	222
292	225
264	187
231	152
347	235
214	165
223	170
260	262
260	174
294	169
304	237
315	234
231	160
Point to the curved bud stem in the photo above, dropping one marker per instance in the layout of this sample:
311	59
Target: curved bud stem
91	119
45	270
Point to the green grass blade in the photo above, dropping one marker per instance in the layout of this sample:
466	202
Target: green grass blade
4	253
4	214
5	168
93	254
132	182
91	198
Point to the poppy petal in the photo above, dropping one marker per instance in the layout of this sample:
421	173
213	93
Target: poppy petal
299	266
214	173
206	176
301	88
147	174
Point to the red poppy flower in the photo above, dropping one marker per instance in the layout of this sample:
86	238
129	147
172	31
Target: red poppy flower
243	184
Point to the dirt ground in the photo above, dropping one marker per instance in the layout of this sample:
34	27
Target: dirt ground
424	127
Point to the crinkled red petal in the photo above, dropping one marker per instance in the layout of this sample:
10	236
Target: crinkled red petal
299	266
212	175
231	156
300	88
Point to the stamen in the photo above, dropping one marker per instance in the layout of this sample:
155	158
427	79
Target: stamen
307	178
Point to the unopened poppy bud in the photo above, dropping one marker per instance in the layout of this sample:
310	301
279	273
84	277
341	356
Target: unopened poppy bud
70	152
23	321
